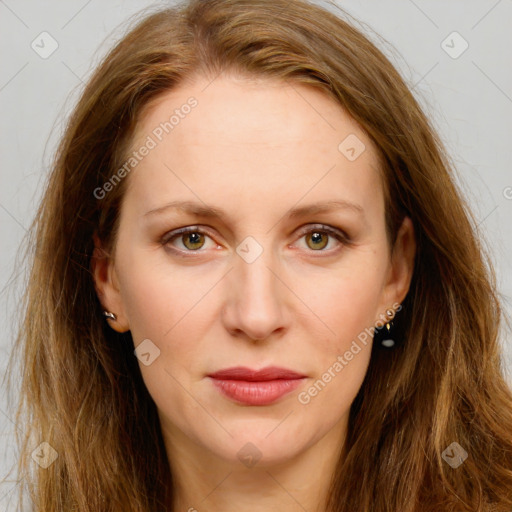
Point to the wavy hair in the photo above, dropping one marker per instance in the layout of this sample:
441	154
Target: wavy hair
81	388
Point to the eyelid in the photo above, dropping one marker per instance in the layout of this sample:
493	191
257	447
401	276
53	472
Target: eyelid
181	231
168	237
307	228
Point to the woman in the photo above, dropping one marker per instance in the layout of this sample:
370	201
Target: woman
246	195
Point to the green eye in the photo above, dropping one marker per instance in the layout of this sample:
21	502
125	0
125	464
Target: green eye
193	239
316	238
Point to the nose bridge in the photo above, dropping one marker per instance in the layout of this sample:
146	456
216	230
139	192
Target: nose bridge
253	270
255	289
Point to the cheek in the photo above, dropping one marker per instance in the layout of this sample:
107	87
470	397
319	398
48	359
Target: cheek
346	302
155	297
347	307
150	306
342	356
169	308
159	310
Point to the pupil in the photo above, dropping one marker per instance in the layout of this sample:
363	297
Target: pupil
316	237
191	239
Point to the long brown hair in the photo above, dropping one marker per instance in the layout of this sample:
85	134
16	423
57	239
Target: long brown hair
82	390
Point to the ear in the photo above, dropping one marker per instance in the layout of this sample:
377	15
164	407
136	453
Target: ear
107	286
401	268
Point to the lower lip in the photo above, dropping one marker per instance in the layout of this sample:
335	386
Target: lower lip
256	393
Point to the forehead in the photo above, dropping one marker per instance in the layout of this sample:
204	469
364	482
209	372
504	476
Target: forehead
251	139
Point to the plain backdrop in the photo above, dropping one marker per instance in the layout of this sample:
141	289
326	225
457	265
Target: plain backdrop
454	54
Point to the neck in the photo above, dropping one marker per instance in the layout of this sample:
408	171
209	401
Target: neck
207	482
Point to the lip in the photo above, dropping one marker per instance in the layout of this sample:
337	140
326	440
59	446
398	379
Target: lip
256	387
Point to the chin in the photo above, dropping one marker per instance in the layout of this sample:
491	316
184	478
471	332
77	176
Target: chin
262	443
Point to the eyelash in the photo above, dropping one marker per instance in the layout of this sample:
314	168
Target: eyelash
339	235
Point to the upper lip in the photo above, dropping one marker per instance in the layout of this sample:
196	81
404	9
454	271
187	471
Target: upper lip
247	374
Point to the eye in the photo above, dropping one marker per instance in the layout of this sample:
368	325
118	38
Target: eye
193	239
317	237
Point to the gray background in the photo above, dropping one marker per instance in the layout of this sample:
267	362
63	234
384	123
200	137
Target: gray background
469	97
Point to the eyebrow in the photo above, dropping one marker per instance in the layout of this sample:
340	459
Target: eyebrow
203	210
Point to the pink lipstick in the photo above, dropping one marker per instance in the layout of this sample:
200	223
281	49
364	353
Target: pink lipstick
256	387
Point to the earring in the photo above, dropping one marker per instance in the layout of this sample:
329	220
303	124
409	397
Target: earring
110	315
388	340
385	334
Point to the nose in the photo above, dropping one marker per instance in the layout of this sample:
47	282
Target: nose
255	308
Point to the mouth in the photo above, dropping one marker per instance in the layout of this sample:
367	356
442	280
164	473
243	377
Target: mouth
256	387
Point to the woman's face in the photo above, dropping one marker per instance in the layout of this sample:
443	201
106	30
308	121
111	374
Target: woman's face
263	278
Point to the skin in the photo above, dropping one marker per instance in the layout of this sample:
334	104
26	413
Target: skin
255	149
